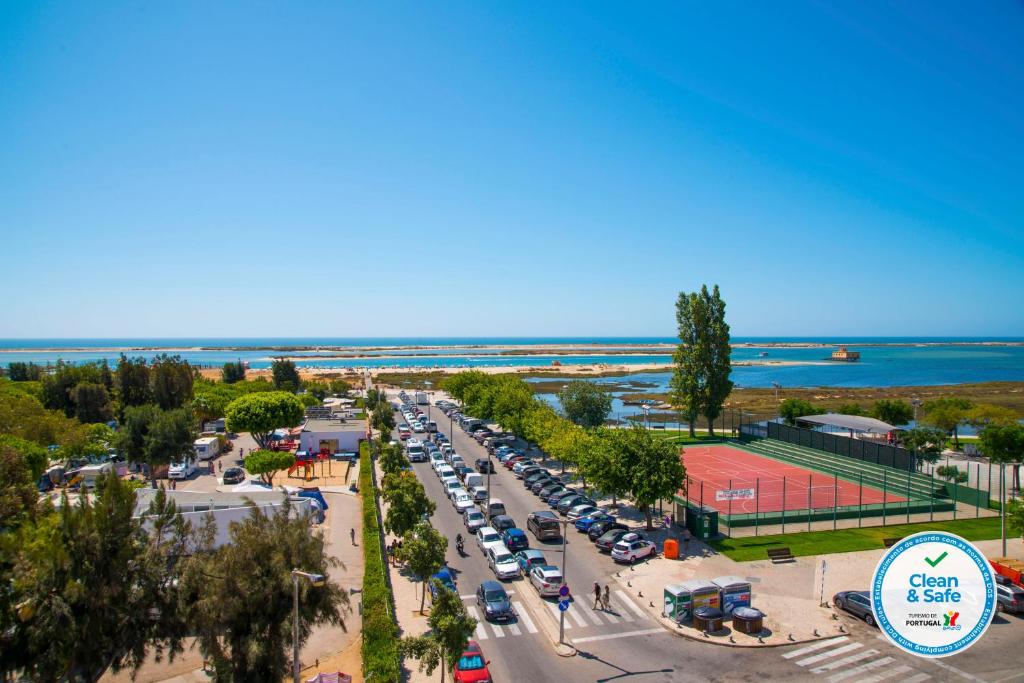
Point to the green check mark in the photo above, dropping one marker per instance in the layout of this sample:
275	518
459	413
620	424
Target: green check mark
936	561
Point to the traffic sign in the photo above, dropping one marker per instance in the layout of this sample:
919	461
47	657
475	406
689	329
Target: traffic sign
563	605
564	591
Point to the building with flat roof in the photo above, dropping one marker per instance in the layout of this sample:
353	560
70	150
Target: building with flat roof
843	355
333	434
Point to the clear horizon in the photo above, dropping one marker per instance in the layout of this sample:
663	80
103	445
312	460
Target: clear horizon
478	170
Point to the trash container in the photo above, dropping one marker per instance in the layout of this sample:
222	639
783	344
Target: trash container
707	619
671	549
702	522
700	593
748	620
735	592
676	603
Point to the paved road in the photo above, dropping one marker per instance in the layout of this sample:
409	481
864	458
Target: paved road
630	646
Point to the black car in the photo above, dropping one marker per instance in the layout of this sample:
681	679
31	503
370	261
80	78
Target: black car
550	489
541	484
608	539
598	529
484	465
501	522
555	498
532	477
491	596
234	475
857	603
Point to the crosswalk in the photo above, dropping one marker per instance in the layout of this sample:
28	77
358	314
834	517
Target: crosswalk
623	612
841	659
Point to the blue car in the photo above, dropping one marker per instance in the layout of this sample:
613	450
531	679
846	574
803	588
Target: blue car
515	539
447	579
584	523
528	558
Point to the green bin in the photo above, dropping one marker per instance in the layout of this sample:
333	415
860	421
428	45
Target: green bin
677	603
702	522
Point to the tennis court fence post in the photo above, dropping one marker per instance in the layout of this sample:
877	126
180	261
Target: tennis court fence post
783	503
885	493
810	501
860	500
835	499
757	501
730	508
977	482
908	497
954	500
931	499
988	500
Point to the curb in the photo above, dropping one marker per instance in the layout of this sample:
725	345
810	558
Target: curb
712	640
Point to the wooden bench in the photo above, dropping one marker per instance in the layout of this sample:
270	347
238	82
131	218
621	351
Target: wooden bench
777	555
890	542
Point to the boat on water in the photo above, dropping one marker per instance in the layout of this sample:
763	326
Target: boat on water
763	354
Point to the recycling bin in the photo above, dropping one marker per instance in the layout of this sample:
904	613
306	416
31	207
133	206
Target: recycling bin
735	592
702	594
676	603
748	620
702	522
708	619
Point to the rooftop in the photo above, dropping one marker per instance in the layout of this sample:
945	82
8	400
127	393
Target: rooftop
319	424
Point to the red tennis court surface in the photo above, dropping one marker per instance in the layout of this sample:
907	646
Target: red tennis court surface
778	485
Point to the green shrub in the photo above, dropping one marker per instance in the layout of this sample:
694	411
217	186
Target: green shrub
380	635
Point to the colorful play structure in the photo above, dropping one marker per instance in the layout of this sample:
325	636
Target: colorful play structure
306	460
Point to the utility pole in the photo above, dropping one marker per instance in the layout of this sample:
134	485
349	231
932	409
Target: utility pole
565	581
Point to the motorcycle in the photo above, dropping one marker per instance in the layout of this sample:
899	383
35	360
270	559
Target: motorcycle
460	546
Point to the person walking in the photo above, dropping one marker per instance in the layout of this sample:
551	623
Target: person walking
597	594
352	535
686	542
607	597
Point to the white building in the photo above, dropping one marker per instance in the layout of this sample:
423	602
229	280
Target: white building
337	436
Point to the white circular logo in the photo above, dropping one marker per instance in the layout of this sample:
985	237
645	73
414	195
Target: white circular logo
933	594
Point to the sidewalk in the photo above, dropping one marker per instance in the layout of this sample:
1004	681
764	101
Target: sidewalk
789	594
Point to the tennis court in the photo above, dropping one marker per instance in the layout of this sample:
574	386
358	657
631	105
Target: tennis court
736	482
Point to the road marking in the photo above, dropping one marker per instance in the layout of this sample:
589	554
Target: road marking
499	630
576	616
958	672
612	636
471	596
593	615
524	617
514	627
918	678
816	646
844	661
830	653
860	669
610	616
621	595
553	608
899	670
481	632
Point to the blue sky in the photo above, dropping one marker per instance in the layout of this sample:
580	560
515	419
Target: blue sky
475	168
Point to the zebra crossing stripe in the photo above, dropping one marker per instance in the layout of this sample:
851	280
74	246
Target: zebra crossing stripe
499	631
576	616
515	629
481	632
857	670
610	616
845	660
593	616
553	608
830	653
917	679
897	671
815	646
621	595
525	618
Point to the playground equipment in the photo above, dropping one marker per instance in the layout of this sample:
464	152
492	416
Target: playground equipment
306	460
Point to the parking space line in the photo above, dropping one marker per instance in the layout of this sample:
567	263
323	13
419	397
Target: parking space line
815	646
830	653
857	670
481	632
845	660
471	596
524	617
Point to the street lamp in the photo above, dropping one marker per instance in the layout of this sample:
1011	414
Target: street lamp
565	580
916	402
647	415
315	580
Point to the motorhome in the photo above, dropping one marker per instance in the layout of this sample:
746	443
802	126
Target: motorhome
422	398
207	447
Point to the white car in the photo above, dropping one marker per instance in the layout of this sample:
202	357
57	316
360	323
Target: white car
487	536
418	427
547	579
181	470
445	472
457	491
446	448
463	502
631	548
479	494
457	461
473	519
450	484
502	562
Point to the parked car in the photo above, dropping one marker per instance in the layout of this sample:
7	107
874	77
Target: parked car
1010	598
522	465
502	522
493	599
569	502
545	525
607	541
555	498
528	558
547	579
234	475
501	562
479	494
484	465
580	511
515	539
473	519
181	470
486	536
462	502
471	667
550	489
633	547
857	603
539	483
599	529
584	523
447	579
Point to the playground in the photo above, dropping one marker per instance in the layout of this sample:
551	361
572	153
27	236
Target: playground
322	467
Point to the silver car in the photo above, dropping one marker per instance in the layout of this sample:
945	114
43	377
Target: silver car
547	579
474	519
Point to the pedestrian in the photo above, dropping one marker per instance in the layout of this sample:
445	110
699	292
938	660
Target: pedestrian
607	597
597	594
352	535
174	485
686	542
220	467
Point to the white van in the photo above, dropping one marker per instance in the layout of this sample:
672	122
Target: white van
206	447
473	479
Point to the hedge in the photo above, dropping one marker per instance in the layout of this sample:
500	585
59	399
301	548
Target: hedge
380	633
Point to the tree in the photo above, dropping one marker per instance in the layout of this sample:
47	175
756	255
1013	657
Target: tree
1015	516
605	465
391	458
238	596
131	382
850	409
35	457
171	379
285	374
1004	444
983	414
233	372
423	549
261	413
157	437
92	403
458	384
339	387
718	357
894	412
793	408
655	469
947	413
688	379
83	585
407	501
585	403
268	463
926	443
24	372
450	629
18	495
208	406
952	474
382	419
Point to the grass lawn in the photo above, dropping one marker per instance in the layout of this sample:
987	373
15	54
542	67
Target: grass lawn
673	436
848	540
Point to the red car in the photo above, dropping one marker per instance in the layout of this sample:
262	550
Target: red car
472	667
512	461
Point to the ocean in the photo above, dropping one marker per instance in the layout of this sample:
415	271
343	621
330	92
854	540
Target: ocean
885	361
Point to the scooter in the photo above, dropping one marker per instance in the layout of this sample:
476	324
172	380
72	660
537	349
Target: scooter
460	546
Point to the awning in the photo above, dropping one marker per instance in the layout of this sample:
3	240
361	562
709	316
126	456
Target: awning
857	423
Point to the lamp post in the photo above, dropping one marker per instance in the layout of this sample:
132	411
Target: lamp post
916	402
315	580
647	415
565	580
